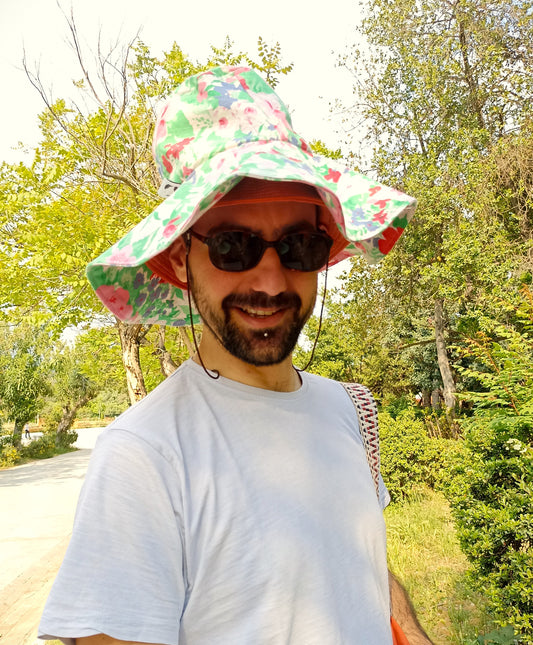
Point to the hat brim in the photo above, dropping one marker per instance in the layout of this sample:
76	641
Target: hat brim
367	218
253	191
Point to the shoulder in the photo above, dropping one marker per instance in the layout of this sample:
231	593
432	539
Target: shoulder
323	386
162	406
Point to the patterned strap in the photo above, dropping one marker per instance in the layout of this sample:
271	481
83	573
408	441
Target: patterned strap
367	413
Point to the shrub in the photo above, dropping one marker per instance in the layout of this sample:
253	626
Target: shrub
6	440
410	459
491	500
397	405
501	636
41	448
65	439
492	492
9	455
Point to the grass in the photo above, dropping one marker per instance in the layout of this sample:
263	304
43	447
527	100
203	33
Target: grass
425	555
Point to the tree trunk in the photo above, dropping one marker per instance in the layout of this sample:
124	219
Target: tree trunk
70	412
448	382
130	340
426	398
168	366
473	86
17	434
186	340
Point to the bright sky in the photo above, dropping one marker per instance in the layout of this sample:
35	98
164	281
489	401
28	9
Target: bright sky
312	33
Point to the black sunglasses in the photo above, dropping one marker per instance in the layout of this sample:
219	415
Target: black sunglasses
242	250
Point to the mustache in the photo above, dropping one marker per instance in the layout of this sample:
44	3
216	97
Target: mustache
261	300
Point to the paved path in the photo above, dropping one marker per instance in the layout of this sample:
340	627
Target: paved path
37	504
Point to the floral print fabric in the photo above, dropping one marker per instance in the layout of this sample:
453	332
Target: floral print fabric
217	127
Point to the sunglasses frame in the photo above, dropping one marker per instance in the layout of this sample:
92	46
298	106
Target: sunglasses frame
208	240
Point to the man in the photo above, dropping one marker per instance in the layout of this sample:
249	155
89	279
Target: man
234	504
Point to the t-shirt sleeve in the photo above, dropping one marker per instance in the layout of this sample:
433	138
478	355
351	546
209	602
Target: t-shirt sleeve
123	573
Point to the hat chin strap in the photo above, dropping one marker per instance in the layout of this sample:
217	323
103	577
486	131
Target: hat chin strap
215	374
303	369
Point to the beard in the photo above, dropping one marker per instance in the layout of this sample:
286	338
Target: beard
258	347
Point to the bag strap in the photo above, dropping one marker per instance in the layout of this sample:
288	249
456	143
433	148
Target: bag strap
367	414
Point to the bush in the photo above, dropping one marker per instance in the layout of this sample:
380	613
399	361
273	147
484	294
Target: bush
491	500
6	440
41	448
502	636
66	439
9	455
395	406
410	459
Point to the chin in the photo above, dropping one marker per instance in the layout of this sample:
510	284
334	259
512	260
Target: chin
253	348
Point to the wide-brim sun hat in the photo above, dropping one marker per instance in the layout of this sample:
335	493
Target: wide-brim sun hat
217	128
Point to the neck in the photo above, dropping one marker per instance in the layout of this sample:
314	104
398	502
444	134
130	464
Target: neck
281	377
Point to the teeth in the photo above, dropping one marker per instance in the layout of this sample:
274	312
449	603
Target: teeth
259	313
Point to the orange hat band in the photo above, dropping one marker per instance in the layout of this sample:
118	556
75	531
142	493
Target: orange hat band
255	191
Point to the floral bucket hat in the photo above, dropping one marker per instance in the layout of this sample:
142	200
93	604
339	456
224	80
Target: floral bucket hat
215	129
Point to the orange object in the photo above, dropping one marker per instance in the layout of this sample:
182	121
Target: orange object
398	637
254	191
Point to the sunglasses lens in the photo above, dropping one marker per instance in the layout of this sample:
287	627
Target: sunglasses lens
235	250
304	251
241	251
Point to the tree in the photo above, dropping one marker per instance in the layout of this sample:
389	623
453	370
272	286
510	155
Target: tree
71	390
357	339
23	378
92	179
442	87
99	358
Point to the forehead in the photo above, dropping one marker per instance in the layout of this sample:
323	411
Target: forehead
267	218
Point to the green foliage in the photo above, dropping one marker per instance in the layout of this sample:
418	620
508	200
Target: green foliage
440	87
23	378
72	389
52	414
64	440
150	354
410	459
320	148
502	357
492	489
108	403
98	353
41	448
396	406
502	636
358	340
9	454
491	500
269	64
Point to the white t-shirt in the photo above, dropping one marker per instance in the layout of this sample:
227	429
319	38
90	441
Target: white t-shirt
214	513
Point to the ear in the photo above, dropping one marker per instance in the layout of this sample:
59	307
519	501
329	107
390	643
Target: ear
177	256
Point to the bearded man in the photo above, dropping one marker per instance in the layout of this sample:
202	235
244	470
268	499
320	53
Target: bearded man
234	505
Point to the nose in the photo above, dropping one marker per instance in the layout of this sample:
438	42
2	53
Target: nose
269	275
